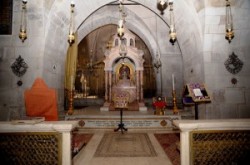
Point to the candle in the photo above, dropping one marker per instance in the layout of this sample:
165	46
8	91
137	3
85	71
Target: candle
173	81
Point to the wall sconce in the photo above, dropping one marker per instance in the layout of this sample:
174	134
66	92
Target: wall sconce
229	22
172	31
23	30
71	36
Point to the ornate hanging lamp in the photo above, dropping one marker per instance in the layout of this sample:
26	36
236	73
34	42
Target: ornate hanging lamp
23	26
172	31
120	28
162	5
71	36
229	22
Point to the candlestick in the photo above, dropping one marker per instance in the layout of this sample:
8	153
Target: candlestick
71	82
173	83
175	108
71	102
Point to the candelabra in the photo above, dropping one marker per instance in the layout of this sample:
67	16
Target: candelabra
23	33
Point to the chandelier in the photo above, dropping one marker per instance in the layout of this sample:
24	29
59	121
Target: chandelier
162	5
120	28
71	36
172	31
23	30
229	23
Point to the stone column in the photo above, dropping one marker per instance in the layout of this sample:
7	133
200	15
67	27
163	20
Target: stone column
110	85
106	86
141	85
137	85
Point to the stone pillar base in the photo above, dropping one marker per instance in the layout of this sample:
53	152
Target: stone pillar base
142	107
105	107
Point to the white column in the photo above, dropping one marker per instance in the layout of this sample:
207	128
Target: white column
66	148
184	148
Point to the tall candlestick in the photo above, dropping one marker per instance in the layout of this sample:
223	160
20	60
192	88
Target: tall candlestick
71	82
173	82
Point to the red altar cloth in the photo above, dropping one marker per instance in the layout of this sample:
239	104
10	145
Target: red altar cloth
41	101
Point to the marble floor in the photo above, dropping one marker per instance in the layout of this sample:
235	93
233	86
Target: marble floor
86	155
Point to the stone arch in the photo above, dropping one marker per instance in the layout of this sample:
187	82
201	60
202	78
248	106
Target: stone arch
58	21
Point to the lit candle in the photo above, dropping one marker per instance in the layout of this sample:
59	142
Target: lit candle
173	81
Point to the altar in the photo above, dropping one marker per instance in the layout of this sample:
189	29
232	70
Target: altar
124	72
125	85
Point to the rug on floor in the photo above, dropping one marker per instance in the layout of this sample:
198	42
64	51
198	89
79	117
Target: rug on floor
169	143
125	145
79	140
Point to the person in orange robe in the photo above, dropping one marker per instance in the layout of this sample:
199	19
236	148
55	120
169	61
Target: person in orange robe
41	101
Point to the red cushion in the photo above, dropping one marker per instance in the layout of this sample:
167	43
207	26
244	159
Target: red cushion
159	104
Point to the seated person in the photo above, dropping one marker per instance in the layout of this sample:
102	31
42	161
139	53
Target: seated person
159	105
41	101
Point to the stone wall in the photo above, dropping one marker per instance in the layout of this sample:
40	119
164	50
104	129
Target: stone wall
198	55
229	101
